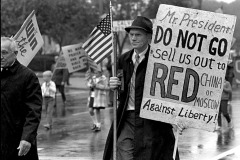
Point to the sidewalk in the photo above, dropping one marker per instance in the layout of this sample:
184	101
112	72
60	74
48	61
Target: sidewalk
76	80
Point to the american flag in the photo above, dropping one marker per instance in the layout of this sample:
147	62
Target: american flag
99	44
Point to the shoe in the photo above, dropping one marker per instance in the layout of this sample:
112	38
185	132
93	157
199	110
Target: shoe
97	129
93	127
47	126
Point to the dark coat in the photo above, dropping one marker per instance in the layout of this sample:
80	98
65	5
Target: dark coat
153	140
59	75
21	106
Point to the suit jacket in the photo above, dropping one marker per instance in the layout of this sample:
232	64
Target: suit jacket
21	106
153	140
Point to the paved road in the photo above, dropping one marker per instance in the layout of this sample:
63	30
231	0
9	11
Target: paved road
72	139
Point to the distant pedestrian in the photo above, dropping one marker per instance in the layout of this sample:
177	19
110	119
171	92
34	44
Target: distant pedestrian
100	86
48	92
60	76
229	77
21	106
89	78
230	73
68	77
227	90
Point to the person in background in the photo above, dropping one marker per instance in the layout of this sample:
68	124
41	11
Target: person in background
227	90
48	92
137	138
229	77
68	83
60	78
230	73
109	68
100	86
89	78
21	106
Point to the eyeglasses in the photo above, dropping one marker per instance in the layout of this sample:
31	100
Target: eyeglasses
4	52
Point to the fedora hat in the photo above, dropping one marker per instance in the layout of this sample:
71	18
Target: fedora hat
141	23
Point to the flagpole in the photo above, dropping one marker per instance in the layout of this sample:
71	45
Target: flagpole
114	68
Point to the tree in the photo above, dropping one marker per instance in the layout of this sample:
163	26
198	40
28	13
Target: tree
66	21
13	14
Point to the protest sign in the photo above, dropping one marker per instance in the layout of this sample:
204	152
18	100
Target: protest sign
75	57
121	25
233	41
61	63
28	39
220	10
186	66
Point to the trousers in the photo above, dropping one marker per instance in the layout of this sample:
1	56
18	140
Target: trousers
125	145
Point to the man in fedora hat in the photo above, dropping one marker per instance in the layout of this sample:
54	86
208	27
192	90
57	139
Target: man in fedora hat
137	138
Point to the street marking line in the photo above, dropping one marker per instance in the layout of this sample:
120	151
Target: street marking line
80	113
224	154
62	158
73	92
39	149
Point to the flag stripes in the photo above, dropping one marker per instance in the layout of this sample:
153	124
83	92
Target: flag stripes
99	43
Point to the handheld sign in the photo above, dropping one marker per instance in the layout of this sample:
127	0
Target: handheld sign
119	26
75	57
186	66
61	63
28	39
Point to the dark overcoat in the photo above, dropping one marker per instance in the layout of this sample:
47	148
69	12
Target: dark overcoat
153	140
59	75
21	106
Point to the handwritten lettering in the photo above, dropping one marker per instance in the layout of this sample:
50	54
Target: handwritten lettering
190	114
206	103
158	107
21	45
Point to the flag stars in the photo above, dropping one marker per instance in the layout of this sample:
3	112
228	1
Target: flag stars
105	26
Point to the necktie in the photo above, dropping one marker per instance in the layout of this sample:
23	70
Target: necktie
132	87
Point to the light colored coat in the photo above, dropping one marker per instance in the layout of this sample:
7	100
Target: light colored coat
101	87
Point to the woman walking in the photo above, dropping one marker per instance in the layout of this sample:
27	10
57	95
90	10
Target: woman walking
100	86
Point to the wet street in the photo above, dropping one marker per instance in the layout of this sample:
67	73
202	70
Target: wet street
71	137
